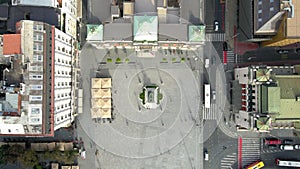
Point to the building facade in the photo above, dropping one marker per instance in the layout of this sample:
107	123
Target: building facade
43	61
272	22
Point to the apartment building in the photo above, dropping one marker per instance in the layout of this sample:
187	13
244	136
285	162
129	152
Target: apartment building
39	80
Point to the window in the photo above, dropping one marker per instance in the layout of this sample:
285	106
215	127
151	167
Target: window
35	68
35	110
272	9
35	120
37	58
38	37
40	47
36	77
259	2
271	1
37	47
40	27
35	98
259	20
259	11
36	87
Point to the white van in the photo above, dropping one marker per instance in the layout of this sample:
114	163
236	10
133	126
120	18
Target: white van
206	156
206	63
286	147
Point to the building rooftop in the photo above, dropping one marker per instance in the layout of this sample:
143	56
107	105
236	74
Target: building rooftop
118	31
196	33
283	98
144	6
34	13
173	32
293	22
48	3
94	32
3	12
11	44
264	11
145	28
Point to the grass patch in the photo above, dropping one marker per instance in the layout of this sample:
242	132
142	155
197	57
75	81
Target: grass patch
182	59
173	59
109	60
164	59
126	60
142	96
118	60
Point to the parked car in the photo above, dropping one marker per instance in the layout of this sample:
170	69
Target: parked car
206	63
213	95
274	141
287	141
216	25
297	146
272	146
286	147
283	51
206	156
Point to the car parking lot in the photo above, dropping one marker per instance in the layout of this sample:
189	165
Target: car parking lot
286	148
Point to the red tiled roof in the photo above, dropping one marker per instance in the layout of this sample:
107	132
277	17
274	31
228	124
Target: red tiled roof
11	44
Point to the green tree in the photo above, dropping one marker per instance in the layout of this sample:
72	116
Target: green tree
13	153
29	158
3	152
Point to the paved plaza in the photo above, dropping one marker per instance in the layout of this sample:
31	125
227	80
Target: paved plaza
137	132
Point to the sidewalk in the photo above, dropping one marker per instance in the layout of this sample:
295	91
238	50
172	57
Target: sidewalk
231	34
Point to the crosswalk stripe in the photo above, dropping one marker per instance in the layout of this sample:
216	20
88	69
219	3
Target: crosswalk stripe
210	113
250	150
228	161
215	37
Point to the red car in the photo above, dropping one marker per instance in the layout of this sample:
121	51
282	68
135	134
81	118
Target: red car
272	141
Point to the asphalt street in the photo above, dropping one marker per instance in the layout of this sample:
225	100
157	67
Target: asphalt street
221	148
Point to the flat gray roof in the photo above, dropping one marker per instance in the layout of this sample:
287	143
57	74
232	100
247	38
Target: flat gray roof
3	12
35	13
118	31
172	32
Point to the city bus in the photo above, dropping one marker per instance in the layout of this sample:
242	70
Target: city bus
256	165
207	95
284	163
